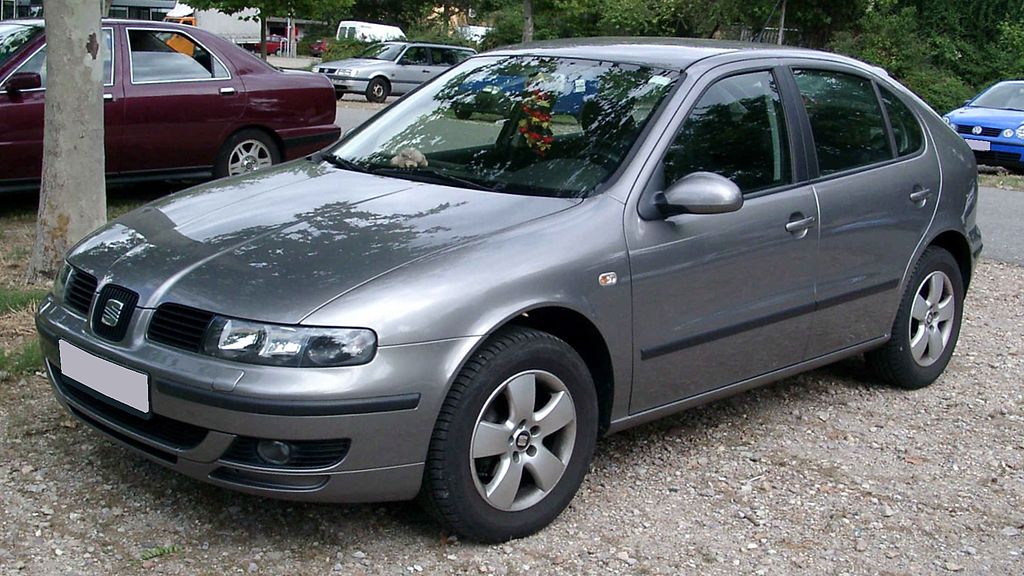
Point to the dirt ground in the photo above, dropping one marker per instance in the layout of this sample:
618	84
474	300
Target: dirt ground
826	473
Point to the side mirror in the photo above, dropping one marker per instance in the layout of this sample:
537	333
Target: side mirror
699	193
23	81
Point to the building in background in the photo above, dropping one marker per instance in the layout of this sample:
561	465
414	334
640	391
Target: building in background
134	9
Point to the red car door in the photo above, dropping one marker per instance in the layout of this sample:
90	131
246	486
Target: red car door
21	144
181	101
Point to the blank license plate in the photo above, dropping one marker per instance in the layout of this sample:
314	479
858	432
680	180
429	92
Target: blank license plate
118	383
979	145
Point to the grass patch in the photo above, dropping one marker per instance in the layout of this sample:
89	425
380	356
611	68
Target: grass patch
14	299
22	362
150	553
1002	181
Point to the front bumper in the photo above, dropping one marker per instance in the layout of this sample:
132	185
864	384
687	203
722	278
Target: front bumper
205	412
349	84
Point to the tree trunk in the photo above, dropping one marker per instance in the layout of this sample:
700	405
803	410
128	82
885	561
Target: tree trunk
263	37
527	20
72	199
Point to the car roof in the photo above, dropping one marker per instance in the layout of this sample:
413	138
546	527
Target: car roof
671	53
427	44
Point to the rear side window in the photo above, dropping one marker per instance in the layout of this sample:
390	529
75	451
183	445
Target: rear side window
905	128
846	120
165	56
738	130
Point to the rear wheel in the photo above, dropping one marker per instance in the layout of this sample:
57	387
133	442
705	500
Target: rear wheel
246	151
514	438
378	90
927	324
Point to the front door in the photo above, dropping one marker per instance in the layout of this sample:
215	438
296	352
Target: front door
877	190
725	297
180	101
21	114
413	69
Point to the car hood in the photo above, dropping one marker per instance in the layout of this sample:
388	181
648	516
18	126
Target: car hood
278	244
991	117
354	63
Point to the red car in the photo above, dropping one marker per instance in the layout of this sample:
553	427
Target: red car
319	47
179	102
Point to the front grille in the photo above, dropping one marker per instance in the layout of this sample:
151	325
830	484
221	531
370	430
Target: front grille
305	453
79	291
179	326
157	428
113	312
993	158
985	131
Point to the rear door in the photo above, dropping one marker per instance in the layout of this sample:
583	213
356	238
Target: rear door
22	114
877	185
181	101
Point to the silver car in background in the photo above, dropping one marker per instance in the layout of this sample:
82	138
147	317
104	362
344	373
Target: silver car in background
458	306
391	68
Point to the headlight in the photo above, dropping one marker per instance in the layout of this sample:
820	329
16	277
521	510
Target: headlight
346	72
946	120
279	345
1020	132
61	281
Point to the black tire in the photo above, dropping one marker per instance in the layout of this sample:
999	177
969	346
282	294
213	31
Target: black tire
221	167
449	491
463	112
378	90
894	362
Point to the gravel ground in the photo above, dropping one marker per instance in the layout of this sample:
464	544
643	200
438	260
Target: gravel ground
826	473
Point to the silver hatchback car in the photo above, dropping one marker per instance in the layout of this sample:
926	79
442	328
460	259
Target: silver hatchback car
391	68
459	305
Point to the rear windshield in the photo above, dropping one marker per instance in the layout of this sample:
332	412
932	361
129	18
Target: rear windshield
13	37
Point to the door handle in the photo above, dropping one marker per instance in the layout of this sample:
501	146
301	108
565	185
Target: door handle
801	225
227	91
108	97
920	194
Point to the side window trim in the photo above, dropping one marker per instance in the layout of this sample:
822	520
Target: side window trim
795	164
885	116
108	82
131	68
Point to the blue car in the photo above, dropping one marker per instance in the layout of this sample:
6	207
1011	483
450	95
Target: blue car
992	124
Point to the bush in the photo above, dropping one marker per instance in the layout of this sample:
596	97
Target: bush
342	49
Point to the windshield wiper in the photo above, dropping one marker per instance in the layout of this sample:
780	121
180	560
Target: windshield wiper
432	176
342	163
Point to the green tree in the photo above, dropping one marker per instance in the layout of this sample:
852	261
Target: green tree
327	10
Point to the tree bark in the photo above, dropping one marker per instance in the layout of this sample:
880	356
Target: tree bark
263	37
527	20
73	198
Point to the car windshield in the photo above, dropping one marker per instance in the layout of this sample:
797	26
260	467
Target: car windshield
13	37
1008	96
524	125
382	52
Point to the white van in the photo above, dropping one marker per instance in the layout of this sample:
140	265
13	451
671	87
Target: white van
368	32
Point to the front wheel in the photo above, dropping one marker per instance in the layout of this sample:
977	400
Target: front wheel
514	437
927	324
378	90
246	151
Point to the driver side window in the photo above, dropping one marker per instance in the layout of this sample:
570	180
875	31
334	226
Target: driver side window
738	130
37	63
417	55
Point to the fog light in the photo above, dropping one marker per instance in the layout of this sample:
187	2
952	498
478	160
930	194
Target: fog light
274	452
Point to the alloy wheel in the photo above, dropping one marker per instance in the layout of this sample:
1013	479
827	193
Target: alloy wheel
248	156
931	318
522	440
